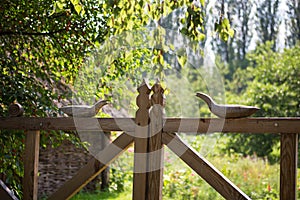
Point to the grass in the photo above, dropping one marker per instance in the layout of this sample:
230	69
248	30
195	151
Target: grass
254	176
104	195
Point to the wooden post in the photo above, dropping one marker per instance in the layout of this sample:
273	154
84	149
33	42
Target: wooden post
105	173
155	151
141	143
288	166
31	160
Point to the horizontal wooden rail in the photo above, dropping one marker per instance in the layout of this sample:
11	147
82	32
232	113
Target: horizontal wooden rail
242	125
67	123
186	125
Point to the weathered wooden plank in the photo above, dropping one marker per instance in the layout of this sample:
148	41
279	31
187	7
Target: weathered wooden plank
31	160
288	166
186	125
105	140
243	125
6	193
140	168
141	143
155	150
67	123
88	172
205	169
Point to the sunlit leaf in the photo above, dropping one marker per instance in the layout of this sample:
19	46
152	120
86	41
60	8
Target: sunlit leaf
78	8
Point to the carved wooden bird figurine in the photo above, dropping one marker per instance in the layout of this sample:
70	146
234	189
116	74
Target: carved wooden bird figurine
84	110
227	111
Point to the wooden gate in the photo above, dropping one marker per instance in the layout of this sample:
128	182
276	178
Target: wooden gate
150	132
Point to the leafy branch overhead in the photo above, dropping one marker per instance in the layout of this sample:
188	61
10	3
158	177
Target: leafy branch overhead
47	41
224	30
127	15
44	44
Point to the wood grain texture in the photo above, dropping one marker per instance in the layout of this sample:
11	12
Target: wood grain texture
203	168
31	160
155	150
15	110
288	166
245	125
140	169
67	123
105	174
141	142
228	110
185	125
88	172
6	193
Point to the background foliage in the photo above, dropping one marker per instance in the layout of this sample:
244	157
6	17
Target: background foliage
270	82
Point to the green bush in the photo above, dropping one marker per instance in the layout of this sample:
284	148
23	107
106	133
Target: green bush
270	82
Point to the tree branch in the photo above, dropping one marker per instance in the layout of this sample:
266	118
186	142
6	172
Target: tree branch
31	33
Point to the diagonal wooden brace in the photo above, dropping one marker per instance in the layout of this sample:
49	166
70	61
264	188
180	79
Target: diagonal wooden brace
88	173
203	168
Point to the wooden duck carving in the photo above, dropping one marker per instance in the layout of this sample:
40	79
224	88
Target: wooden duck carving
227	111
84	110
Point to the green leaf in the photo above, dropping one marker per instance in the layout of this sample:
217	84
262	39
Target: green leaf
61	4
202	2
231	32
225	23
78	8
74	2
182	60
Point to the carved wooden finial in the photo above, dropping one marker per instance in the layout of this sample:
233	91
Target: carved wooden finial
144	87
156	155
143	102
227	111
15	110
158	94
141	141
157	109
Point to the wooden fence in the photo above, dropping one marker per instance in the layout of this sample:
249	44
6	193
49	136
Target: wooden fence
151	132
